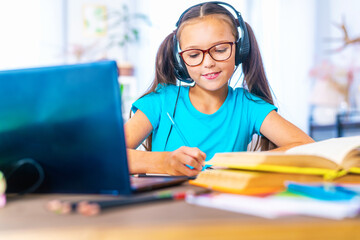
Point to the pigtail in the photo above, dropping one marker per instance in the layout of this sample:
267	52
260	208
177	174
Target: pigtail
164	73
256	82
164	65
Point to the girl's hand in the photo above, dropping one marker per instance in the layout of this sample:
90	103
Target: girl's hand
176	161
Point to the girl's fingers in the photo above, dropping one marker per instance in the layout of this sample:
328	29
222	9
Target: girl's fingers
184	170
188	160
191	157
195	153
182	159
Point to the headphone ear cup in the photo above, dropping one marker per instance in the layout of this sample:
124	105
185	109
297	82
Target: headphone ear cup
237	53
180	69
243	44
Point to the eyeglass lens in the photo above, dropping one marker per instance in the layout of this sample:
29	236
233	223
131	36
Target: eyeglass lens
219	52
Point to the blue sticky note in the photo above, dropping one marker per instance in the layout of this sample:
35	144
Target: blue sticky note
321	192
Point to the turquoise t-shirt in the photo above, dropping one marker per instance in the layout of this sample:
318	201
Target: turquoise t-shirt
229	129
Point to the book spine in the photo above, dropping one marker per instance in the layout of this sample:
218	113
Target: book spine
245	191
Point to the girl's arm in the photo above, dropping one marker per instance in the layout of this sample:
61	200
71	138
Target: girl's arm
137	129
282	133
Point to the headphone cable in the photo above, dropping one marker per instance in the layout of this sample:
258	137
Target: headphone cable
236	68
20	163
177	98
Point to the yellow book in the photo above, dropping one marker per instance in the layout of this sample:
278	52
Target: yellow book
330	158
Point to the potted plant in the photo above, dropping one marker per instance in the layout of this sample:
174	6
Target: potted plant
124	30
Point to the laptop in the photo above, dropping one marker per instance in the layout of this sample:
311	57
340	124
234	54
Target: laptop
61	131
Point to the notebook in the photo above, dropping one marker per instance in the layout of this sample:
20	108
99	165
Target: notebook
61	131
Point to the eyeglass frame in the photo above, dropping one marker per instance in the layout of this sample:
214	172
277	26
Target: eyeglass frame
206	51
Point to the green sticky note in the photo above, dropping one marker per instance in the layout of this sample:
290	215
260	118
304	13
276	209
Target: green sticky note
2	183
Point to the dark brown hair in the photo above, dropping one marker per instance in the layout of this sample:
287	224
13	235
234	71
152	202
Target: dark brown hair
255	80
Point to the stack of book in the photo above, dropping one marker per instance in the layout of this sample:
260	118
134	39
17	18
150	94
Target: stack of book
334	160
2	190
319	179
308	200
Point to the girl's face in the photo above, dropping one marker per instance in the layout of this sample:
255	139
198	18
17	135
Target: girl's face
202	34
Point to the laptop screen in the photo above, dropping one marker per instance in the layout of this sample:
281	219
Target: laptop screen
67	120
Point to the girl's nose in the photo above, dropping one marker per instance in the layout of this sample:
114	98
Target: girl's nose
208	61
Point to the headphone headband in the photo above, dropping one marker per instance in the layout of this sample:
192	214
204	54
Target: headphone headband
242	43
200	4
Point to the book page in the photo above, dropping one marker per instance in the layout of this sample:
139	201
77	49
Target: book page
277	205
334	149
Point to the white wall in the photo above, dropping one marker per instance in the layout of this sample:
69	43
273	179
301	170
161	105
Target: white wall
32	33
285	31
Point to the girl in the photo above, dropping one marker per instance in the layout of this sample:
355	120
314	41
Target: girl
186	125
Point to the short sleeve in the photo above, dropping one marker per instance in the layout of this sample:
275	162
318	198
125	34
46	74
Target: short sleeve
258	109
150	105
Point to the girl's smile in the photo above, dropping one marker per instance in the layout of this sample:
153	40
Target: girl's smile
211	76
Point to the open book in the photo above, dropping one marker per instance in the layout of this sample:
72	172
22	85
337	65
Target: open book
330	158
324	160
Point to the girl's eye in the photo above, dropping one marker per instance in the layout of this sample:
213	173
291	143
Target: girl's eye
221	49
193	54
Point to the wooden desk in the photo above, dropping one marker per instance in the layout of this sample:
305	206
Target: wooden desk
26	219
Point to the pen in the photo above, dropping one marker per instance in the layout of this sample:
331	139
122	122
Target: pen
178	130
95	207
182	136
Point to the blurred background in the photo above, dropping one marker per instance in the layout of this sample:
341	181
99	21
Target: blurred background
310	48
